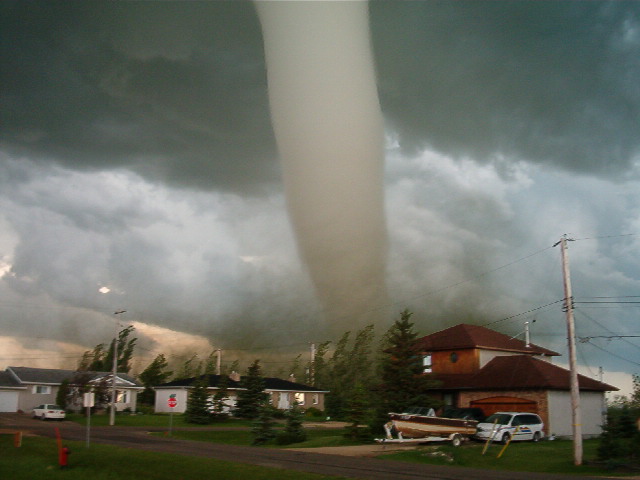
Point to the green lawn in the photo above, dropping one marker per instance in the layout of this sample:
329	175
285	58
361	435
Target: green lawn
544	457
151	420
316	437
37	458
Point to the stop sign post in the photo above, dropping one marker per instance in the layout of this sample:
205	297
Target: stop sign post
173	403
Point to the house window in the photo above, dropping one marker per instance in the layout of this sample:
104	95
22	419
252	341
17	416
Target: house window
44	389
122	396
426	363
299	398
316	399
453	357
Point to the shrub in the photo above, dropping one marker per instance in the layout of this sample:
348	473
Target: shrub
287	438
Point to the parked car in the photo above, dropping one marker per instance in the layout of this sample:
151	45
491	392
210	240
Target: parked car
49	411
502	426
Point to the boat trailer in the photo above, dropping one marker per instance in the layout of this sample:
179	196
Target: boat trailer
456	439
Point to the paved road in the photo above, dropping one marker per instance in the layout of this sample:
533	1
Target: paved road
345	466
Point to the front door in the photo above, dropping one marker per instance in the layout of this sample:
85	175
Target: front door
283	401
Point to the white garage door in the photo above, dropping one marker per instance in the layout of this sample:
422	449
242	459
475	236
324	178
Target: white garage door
8	401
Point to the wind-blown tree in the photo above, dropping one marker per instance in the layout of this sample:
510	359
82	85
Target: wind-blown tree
403	383
351	364
156	373
253	397
101	360
192	367
321	371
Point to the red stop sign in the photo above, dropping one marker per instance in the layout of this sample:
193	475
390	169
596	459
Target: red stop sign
172	402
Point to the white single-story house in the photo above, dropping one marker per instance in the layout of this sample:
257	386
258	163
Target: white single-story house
283	393
24	388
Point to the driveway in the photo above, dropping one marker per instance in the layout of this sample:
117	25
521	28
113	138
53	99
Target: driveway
328	463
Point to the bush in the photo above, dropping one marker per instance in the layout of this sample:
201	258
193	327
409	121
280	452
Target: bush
620	439
287	438
314	413
145	409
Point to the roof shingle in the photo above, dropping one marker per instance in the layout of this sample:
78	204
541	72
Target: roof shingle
464	336
519	372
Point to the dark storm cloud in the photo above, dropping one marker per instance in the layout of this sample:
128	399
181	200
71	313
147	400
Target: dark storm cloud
552	82
175	91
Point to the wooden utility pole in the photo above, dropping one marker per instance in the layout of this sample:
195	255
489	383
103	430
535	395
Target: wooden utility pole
312	365
218	361
576	416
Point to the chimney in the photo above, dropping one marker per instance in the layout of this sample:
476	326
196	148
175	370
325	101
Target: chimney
292	378
235	376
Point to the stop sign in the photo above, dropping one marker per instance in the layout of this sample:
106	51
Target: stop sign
172	402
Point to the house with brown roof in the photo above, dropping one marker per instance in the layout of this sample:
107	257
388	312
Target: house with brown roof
477	367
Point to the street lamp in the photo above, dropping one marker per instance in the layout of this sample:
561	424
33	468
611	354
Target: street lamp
112	417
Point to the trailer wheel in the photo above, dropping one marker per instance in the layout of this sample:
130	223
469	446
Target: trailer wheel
456	440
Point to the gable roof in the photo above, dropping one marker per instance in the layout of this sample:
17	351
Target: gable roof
52	376
271	383
519	372
9	381
464	336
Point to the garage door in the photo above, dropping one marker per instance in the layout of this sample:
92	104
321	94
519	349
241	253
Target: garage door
505	404
8	401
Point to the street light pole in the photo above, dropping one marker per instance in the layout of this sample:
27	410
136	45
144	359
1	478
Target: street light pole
112	416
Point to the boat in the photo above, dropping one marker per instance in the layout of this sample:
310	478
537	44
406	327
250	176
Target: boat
421	424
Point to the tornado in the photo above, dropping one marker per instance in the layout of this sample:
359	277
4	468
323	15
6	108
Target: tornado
328	126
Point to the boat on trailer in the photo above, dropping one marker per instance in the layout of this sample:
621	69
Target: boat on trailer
419	424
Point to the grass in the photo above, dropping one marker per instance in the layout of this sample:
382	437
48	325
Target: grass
543	457
316	437
152	420
37	458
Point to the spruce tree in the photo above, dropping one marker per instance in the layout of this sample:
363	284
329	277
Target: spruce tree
293	431
220	397
263	427
403	382
253	396
198	403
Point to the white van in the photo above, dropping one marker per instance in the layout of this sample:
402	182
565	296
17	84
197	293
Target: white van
502	426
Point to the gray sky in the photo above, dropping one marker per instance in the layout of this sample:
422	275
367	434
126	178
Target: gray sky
137	154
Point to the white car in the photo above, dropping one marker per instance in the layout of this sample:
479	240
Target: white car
49	411
514	426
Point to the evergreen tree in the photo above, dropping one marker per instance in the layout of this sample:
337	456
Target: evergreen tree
357	413
403	382
198	405
293	431
220	397
156	373
263	427
253	396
